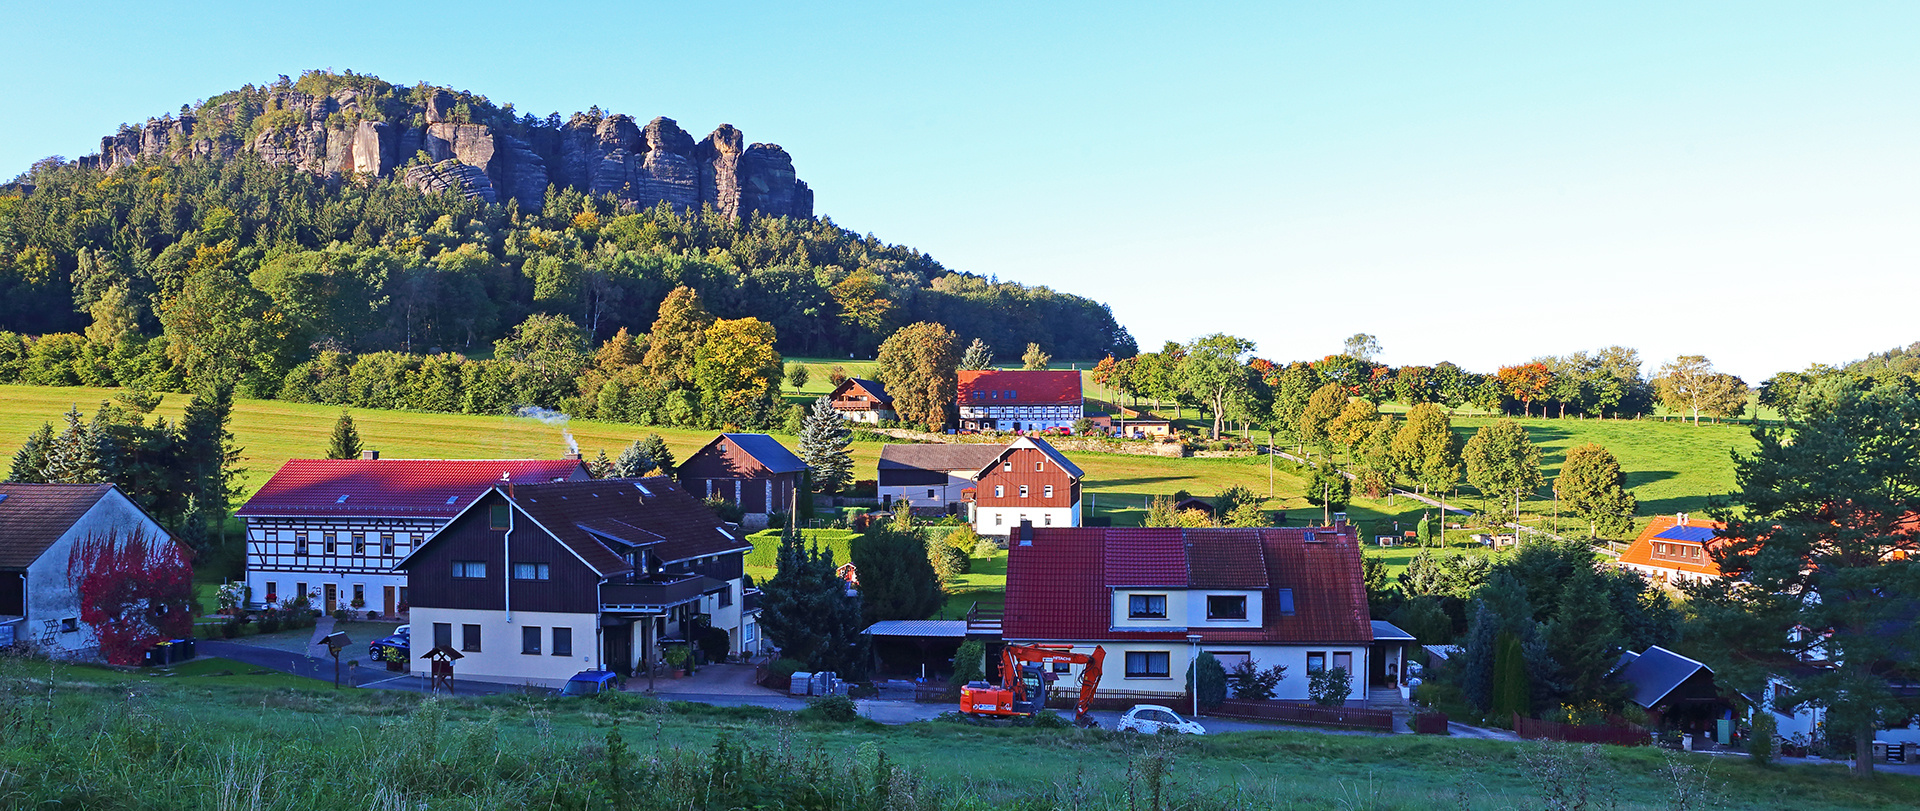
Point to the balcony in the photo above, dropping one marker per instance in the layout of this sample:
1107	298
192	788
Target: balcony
654	593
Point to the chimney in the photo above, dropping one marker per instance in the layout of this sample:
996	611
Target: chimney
369	455
1026	533
571	456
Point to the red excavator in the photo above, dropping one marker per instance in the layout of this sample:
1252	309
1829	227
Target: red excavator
1026	673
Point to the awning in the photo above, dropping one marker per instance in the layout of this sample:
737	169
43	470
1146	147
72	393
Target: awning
953	629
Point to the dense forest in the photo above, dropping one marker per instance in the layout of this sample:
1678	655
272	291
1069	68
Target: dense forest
171	268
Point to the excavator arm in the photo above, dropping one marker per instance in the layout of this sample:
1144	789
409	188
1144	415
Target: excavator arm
1089	683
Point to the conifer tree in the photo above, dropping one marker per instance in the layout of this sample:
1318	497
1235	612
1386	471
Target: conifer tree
807	612
30	462
655	448
208	456
72	457
345	443
824	443
978	356
1584	638
897	579
635	462
1035	358
601	467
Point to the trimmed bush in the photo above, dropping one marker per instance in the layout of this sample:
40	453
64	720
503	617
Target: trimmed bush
766	545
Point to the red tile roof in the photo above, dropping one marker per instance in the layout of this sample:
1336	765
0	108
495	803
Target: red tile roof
35	516
1027	387
1146	557
423	488
1057	586
1640	552
1227	559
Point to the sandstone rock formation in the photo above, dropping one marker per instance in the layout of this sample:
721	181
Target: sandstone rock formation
432	146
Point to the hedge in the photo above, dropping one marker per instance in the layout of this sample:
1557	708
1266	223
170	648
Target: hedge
766	544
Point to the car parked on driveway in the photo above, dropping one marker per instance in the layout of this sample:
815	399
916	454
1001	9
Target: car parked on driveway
1152	719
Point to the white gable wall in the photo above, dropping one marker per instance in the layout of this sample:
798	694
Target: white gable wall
52	598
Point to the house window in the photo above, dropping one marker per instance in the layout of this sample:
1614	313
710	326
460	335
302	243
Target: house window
999	491
1149	664
497	516
1047	519
386	544
443	635
997	519
929	492
1147	606
530	639
1040	466
1048	491
331	542
1316	661
1231	659
726	596
1343	661
414	540
1023	491
300	544
69	625
532	571
359	543
1226	607
299	591
470	638
1286	602
359	595
470	569
563	641
273	592
1008	466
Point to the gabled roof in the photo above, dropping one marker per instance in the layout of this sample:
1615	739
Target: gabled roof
1652	676
1226	559
1038	444
1146	557
908	465
1669	529
1016	387
1384	631
766	450
421	488
873	387
34	516
1058	585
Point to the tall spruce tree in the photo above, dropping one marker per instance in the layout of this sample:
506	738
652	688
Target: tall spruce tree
345	443
73	457
824	445
897	580
601	467
30	462
208	464
633	462
654	448
1584	640
978	356
807	612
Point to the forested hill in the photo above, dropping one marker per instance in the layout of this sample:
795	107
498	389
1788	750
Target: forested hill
252	222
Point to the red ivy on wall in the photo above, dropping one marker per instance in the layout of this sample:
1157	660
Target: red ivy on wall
135	590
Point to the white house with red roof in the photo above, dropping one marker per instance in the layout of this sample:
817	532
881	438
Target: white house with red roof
1674	549
1287	596
333	529
1019	400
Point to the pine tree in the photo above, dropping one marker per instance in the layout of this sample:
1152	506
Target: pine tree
824	445
601	467
655	448
634	462
207	468
1035	358
73	456
345	443
1584	638
978	356
807	612
30	462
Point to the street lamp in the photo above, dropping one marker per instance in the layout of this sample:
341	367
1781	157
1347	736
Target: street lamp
1193	656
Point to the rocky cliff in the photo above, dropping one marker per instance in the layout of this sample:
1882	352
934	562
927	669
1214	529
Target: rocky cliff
436	140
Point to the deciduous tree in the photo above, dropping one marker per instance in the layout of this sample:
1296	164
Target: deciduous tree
1503	464
1035	358
1592	484
1214	373
917	365
135	589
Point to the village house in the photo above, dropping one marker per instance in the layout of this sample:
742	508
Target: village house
931	478
861	400
40	527
1674	549
1019	400
332	529
1027	480
1154	598
534	583
753	471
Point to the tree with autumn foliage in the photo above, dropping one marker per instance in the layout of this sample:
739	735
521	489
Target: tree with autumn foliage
135	589
917	364
1525	382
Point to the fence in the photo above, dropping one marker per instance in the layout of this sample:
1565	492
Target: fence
1534	729
1350	718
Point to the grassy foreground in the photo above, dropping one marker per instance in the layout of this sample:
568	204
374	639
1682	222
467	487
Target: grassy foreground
85	737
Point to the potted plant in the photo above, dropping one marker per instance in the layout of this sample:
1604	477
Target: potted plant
676	656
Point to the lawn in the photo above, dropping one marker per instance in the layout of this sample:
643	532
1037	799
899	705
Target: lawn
87	737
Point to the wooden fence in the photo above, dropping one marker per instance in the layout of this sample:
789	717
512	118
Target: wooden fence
1534	730
1350	718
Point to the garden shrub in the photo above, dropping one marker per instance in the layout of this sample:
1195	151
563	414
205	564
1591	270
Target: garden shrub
838	709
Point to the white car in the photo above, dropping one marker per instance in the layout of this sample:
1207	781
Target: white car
1153	718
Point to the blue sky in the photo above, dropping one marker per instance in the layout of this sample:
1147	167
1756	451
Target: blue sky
1479	183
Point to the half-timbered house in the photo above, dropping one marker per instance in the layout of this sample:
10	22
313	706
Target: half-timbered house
332	529
1019	400
534	583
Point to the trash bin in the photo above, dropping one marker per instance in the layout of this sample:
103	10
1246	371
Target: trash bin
186	648
155	657
800	684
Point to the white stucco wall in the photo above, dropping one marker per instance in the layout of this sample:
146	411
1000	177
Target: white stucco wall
50	592
1008	518
1115	682
499	658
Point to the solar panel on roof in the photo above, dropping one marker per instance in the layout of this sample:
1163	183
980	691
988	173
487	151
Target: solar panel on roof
1686	533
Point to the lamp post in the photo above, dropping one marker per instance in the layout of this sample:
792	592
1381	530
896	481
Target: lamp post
1193	656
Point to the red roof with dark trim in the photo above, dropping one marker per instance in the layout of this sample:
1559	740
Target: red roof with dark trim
422	488
1660	531
1057	587
1017	387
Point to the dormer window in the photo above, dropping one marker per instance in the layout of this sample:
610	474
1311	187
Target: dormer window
1226	606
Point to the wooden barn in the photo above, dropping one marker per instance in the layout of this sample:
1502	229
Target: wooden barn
754	471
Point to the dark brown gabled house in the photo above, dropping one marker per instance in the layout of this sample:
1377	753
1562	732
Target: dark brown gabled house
861	400
754	471
536	582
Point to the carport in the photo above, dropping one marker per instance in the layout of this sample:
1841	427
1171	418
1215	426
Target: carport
915	648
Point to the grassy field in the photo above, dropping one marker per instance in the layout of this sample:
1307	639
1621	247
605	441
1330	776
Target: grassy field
86	737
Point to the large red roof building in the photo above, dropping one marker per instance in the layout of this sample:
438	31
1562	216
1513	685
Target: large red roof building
333	529
1285	596
1019	400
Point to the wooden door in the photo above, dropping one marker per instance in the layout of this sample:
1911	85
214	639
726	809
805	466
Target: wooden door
333	598
393	608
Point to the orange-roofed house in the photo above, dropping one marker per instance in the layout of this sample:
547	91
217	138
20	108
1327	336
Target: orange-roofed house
1675	549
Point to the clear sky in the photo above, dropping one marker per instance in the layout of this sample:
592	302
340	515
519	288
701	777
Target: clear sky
1475	182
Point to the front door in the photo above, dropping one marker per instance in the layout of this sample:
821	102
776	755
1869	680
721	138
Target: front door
619	654
393	608
333	598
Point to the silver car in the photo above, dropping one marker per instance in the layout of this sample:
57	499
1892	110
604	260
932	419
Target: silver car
1151	719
